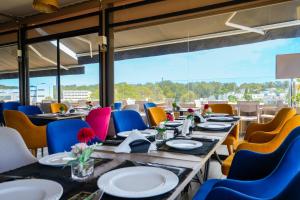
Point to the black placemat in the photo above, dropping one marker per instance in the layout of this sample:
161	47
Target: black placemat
61	175
208	145
181	172
118	140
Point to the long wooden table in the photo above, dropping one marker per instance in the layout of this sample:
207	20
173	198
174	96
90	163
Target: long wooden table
196	163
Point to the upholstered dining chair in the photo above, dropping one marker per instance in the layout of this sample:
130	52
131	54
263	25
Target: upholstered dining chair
134	107
248	111
12	105
233	138
55	107
99	119
146	107
266	131
117	106
157	115
264	147
34	136
62	134
281	184
13	150
128	120
30	110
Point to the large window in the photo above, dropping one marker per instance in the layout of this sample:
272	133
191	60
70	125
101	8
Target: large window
82	84
9	81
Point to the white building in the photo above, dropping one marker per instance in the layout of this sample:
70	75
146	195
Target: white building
9	94
76	95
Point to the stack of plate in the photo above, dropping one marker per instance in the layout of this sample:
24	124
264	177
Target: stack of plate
184	144
57	160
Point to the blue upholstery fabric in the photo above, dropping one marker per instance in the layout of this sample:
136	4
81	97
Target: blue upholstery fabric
13	105
62	134
117	105
242	167
281	184
127	120
1	113
205	189
146	107
30	110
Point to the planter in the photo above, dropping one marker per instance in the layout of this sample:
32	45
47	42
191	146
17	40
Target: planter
82	171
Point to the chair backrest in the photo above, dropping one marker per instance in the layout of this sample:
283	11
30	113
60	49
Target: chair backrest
157	115
248	106
282	116
222	108
13	151
117	106
55	107
30	110
134	107
62	134
290	125
98	119
19	121
1	113
13	105
127	120
146	107
217	102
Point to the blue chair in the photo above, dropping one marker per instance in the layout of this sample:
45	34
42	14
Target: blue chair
242	167
62	134
146	107
281	183
1	113
30	110
13	105
127	120
117	106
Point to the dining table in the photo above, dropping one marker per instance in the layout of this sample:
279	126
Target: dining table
45	118
189	164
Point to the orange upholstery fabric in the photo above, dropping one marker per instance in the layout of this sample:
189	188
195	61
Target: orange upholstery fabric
157	115
34	136
55	107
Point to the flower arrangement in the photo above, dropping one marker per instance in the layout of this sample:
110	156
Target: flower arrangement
207	109
191	114
175	106
62	109
161	129
170	117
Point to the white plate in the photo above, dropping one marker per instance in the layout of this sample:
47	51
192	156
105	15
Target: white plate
174	123
218	114
138	182
184	144
146	133
31	189
222	119
58	159
214	126
47	115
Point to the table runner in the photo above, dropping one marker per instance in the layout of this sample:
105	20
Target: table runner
208	145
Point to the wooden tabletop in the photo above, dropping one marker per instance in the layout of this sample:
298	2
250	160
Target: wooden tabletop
162	157
57	117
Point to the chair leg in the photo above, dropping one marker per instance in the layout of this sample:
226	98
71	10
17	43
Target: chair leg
229	147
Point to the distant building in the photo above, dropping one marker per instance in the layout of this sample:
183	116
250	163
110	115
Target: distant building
76	95
9	94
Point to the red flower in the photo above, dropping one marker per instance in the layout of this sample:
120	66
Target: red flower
206	106
85	135
190	110
170	117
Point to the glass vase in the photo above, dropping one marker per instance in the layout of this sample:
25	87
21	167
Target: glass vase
82	171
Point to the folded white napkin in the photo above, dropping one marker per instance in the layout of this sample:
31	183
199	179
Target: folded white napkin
135	135
186	126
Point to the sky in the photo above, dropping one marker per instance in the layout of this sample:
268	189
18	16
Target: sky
245	63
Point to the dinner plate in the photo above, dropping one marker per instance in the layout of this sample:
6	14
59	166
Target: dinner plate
214	126
58	159
218	114
222	119
138	182
146	133
47	115
31	189
184	144
174	123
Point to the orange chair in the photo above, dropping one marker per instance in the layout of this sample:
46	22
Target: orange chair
266	147
34	136
232	139
55	107
265	132
157	115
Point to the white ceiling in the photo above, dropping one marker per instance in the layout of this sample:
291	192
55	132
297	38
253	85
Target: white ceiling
22	8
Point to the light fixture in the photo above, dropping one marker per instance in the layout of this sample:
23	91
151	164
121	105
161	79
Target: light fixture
46	6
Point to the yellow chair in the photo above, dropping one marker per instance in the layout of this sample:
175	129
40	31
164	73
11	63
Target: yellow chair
157	115
34	136
232	139
266	147
55	107
257	133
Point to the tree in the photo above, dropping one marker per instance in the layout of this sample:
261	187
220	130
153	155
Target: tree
188	97
232	99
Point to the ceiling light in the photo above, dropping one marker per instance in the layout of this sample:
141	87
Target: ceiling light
46	6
